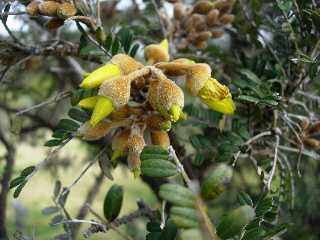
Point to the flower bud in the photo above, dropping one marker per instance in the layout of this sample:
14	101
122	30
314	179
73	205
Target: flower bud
126	63
120	145
88	103
217	96
201	44
223	5
120	114
179	10
203	36
312	143
197	75
202	7
212	17
49	8
157	52
226	19
160	138
33	8
177	67
66	10
136	144
167	98
102	109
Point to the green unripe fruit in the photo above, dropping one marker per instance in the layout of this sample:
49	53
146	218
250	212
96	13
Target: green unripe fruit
184	217
113	202
233	223
158	168
177	195
214	183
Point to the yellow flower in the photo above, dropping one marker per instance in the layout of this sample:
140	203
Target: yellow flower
102	109
197	75
88	103
120	64
217	96
157	52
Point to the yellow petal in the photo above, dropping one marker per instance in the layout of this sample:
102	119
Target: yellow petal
88	103
175	112
164	44
225	105
98	76
101	110
115	156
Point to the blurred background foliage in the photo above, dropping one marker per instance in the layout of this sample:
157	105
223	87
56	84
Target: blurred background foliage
269	57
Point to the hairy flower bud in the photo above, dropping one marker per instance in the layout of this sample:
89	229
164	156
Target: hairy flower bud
160	138
167	98
179	10
49	8
120	145
197	75
177	67
66	10
226	19
136	144
126	63
212	17
89	133
33	8
217	96
157	52
156	122
216	33
203	36
202	7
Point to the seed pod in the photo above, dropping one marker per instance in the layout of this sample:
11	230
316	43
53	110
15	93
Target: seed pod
184	217
212	17
214	183
33	8
157	52
66	10
113	202
54	23
156	122
49	8
217	96
217	33
177	195
226	19
197	75
167	98
135	146
179	10
202	7
203	36
160	138
232	223
89	133
158	168
154	152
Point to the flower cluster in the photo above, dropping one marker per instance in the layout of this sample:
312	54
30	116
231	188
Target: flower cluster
58	10
198	23
137	103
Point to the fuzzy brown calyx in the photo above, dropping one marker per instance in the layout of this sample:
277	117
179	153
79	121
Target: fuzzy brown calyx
117	90
177	67
157	122
126	63
89	133
217	33
197	75
167	98
226	19
33	8
160	138
66	10
203	36
136	144
49	8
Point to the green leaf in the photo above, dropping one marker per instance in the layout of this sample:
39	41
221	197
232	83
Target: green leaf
17	181
27	171
60	134
115	46
134	50
50	210
155	149
198	160
79	94
68	125
53	142
108	42
19	189
125	38
113	202
244	199
100	35
247	98
57	188
56	219
158	168
250	76
78	114
105	166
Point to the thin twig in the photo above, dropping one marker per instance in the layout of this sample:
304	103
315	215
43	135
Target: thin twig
274	164
163	28
163	216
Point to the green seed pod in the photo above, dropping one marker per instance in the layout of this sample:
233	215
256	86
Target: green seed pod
113	202
158	168
177	195
184	217
232	223
214	183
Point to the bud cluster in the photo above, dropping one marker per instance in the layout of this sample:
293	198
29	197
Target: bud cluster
136	104
197	23
58	10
